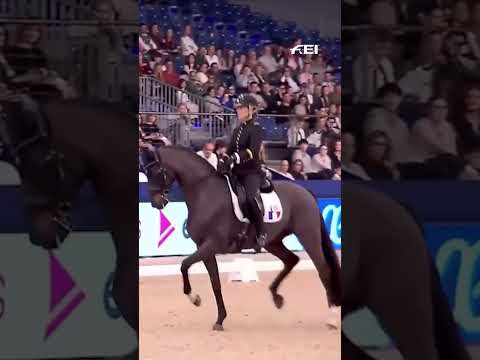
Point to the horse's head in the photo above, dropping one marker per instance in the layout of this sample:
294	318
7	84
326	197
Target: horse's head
160	178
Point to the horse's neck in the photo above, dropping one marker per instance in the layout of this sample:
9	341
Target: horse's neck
189	173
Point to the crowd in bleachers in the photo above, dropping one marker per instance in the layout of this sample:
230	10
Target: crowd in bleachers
219	60
411	89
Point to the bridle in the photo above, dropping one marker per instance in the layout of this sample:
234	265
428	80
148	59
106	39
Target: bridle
152	170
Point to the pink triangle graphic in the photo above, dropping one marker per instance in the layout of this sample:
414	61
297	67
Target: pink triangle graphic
164	223
61	282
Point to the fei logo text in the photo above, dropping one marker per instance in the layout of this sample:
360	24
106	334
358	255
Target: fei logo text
305	50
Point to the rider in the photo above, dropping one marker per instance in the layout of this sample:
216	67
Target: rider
244	156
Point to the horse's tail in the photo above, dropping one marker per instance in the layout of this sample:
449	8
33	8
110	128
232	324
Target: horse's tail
448	340
332	261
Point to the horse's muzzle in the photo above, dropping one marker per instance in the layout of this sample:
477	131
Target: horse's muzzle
159	201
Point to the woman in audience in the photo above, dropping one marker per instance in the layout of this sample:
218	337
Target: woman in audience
238	68
297	171
376	157
468	126
169	42
302	107
336	154
433	135
191	63
350	169
187	43
321	160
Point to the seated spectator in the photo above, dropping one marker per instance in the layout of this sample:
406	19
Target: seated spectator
187	44
245	77
336	154
252	59
306	74
254	91
182	97
288	79
302	154
376	157
302	107
241	62
212	104
468	126
296	132
170	75
207	153
288	60
220	149
268	60
298	170
321	160
222	64
386	119
350	169
258	73
158	72
191	64
321	132
215	72
200	59
211	57
183	124
169	42
230	61
380	70
156	36
146	43
202	76
283	170
268	98
285	108
433	135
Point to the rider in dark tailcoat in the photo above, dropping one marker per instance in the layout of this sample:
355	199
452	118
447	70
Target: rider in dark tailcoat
244	157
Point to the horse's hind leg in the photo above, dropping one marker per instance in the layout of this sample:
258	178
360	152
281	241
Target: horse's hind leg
212	268
289	260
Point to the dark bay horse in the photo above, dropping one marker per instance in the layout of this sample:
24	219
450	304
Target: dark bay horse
389	270
212	224
99	145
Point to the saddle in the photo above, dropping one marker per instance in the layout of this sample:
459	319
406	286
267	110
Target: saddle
266	187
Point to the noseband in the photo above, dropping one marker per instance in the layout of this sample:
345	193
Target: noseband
155	168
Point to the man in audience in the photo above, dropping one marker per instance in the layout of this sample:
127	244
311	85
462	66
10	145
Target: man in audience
386	119
207	154
302	154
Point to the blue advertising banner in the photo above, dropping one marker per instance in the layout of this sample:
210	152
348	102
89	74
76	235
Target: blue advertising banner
163	233
456	250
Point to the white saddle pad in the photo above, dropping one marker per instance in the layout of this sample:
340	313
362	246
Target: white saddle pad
271	203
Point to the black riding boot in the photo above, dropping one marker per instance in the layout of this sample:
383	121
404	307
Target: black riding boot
257	219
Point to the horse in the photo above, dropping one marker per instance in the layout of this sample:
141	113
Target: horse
92	138
389	270
213	226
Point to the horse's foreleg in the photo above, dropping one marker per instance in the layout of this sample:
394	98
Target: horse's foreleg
289	260
205	251
212	268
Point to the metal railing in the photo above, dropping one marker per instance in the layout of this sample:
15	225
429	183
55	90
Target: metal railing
154	95
193	128
187	129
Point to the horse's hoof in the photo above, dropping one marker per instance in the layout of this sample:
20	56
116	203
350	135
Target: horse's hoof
218	327
196	300
278	300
